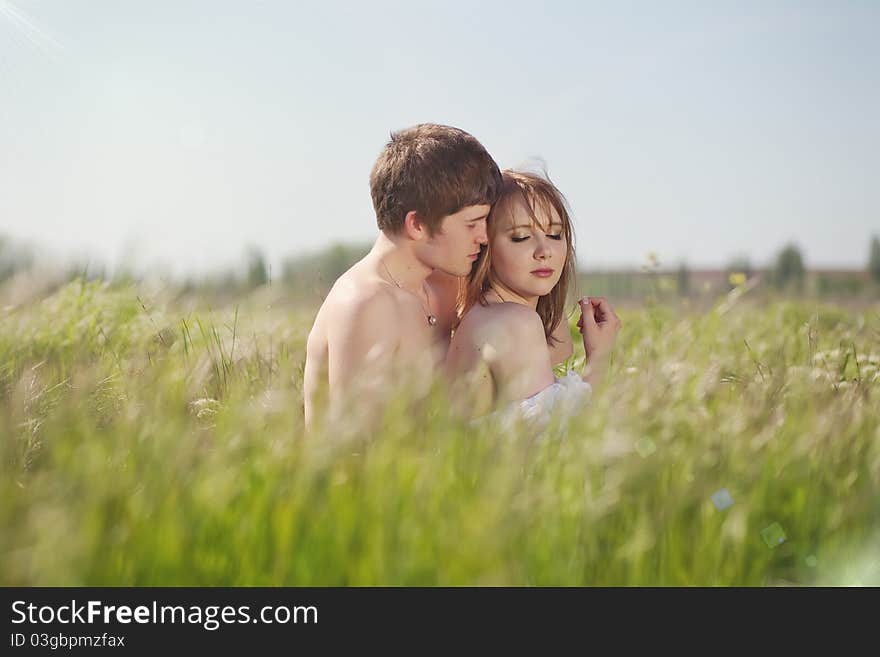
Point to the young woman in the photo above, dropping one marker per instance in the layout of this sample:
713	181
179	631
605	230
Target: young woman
514	301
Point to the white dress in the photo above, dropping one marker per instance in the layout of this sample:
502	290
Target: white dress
561	399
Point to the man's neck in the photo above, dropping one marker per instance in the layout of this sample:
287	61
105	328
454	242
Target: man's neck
398	263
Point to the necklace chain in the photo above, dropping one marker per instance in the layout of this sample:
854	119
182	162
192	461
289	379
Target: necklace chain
432	319
502	299
498	294
495	292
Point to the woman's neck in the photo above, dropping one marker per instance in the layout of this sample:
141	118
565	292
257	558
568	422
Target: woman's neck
503	294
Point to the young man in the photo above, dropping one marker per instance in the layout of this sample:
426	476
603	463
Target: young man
391	314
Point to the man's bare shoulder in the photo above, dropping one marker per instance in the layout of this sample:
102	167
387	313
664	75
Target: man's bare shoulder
358	287
356	300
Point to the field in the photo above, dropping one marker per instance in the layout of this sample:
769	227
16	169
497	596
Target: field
148	440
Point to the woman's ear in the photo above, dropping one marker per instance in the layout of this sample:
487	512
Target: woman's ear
414	226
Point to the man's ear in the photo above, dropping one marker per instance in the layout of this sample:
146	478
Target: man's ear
414	226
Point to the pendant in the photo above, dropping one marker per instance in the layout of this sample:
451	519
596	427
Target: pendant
432	320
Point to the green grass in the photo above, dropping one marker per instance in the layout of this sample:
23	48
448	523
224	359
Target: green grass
147	443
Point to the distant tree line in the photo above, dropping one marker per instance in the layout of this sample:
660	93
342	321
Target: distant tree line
314	273
789	273
13	258
874	260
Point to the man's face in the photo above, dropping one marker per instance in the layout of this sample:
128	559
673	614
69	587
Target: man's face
456	244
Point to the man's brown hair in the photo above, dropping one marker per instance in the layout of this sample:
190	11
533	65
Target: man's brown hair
435	170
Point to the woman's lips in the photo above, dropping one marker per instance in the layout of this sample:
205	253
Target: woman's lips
543	273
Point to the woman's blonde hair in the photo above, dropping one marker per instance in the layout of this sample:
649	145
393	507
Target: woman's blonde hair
539	197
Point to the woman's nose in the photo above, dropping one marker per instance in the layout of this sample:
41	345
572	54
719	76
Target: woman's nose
542	248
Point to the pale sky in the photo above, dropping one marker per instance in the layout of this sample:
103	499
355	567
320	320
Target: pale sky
179	132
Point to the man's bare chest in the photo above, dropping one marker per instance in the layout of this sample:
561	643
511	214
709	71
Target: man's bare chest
419	337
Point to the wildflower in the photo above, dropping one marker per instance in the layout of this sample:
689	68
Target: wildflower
737	278
722	499
205	407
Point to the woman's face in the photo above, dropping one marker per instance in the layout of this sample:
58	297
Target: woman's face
527	259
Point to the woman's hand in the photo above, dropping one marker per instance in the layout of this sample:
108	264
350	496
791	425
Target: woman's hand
599	325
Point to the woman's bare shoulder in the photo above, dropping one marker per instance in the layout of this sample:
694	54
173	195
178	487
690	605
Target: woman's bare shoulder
512	342
508	321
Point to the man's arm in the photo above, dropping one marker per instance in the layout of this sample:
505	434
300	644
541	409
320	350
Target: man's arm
314	373
362	342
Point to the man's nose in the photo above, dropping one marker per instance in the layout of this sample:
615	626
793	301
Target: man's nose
482	237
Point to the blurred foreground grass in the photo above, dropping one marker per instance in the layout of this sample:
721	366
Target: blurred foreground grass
145	443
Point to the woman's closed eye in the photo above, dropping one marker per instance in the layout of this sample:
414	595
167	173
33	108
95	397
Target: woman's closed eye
523	238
